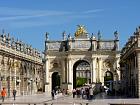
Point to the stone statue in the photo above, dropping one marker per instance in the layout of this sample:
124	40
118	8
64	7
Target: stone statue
80	31
47	36
64	35
69	36
116	35
99	35
8	39
136	30
13	43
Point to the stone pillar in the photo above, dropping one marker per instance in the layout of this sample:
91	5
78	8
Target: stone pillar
70	71
97	70
138	62
70	74
101	76
63	72
47	76
15	76
93	70
10	79
3	72
67	71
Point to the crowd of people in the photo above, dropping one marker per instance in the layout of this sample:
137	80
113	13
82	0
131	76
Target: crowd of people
85	93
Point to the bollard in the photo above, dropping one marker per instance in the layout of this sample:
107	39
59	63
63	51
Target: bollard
45	104
86	103
34	104
80	103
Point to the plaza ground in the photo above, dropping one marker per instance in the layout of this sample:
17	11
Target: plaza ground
45	99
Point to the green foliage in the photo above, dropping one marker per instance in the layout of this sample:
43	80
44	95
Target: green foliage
108	78
80	81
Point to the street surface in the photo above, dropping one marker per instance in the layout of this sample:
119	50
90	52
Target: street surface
41	99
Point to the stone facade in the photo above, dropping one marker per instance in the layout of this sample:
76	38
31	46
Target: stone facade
64	56
130	65
21	67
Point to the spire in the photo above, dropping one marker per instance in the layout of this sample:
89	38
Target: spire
64	35
99	35
69	36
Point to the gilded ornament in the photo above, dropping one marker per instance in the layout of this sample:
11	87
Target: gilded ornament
80	30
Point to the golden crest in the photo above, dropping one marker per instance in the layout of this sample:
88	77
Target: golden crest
80	30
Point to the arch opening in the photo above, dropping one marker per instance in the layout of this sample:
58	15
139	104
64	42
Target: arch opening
55	81
81	73
108	79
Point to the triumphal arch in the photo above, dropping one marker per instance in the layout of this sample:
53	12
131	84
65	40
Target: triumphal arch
81	60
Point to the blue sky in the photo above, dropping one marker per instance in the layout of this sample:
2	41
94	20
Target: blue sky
28	20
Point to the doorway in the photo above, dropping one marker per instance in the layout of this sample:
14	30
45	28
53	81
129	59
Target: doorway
55	81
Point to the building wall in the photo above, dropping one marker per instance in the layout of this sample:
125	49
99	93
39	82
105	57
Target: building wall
130	65
21	67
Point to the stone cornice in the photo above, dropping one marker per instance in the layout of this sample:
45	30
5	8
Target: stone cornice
18	56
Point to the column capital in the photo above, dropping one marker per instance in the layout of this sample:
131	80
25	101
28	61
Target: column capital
46	59
99	58
69	58
93	58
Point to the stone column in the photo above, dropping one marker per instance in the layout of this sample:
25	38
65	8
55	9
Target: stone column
101	76
69	74
70	71
63	72
138	62
15	75
10	78
47	75
97	70
93	70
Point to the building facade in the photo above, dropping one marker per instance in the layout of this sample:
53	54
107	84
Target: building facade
21	67
83	55
130	65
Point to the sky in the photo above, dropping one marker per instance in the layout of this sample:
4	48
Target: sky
29	20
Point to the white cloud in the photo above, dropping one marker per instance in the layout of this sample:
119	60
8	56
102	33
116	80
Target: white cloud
28	18
93	11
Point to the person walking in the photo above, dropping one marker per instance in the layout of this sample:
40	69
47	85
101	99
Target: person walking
14	94
82	93
3	94
52	93
74	93
91	93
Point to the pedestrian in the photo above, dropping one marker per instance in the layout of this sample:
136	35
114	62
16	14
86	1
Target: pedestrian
82	93
3	94
14	94
91	93
74	93
52	93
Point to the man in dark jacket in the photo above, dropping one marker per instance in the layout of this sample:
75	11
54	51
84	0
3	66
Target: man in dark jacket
14	94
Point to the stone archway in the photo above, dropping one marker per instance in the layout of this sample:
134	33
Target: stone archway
55	81
108	79
81	73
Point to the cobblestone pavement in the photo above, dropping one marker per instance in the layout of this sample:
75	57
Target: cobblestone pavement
41	99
